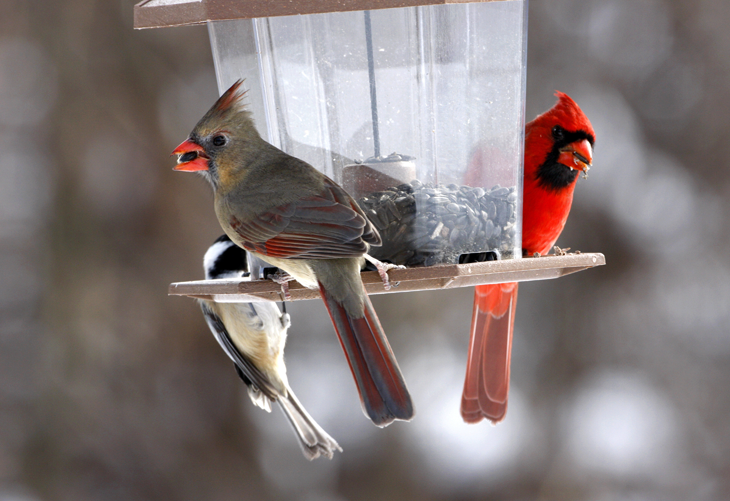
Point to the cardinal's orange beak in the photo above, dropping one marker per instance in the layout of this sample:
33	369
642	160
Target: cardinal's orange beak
578	155
190	157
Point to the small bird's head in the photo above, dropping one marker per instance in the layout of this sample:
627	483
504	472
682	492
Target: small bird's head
559	145
218	138
224	259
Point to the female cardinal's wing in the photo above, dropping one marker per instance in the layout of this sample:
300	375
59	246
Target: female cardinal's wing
323	226
487	372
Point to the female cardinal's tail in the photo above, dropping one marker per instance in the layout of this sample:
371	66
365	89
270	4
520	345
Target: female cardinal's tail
490	347
383	391
313	440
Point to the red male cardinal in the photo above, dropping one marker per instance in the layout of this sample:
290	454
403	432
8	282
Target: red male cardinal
287	213
558	145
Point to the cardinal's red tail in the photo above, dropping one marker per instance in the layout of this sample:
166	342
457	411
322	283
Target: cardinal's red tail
487	371
383	392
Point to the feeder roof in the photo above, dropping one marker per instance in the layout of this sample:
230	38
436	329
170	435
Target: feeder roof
164	13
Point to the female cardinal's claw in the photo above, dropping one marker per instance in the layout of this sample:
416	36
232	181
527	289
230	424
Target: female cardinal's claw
285	291
283	278
383	269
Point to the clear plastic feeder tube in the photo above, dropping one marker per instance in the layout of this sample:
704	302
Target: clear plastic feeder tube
418	112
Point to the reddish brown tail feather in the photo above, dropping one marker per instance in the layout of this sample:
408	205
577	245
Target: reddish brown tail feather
486	385
383	392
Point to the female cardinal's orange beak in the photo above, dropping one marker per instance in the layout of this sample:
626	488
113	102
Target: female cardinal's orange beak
190	157
578	155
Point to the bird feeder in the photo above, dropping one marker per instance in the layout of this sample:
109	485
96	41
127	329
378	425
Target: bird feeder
415	107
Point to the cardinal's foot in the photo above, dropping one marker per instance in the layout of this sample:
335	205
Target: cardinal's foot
283	278
383	269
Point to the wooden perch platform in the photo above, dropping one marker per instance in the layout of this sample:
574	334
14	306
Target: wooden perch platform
447	276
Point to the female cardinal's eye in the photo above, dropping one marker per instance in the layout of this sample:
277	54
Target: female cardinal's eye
219	140
558	133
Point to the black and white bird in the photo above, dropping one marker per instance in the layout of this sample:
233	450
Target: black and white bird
253	336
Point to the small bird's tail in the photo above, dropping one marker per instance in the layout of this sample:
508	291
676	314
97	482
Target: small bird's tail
383	392
487	372
313	440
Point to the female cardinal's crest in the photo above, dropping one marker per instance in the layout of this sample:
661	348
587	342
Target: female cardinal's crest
232	99
228	112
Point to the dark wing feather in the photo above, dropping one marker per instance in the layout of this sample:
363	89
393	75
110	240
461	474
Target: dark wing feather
323	226
244	365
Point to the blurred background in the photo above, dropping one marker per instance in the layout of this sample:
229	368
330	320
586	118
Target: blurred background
110	389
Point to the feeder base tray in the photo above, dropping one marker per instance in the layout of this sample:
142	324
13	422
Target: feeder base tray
447	276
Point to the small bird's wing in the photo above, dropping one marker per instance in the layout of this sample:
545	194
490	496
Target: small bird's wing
324	226
486	384
246	367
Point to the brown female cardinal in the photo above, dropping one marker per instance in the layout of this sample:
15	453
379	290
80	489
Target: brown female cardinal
284	211
558	145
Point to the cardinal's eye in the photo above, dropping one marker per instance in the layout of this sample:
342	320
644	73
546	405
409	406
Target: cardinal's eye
219	140
558	133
